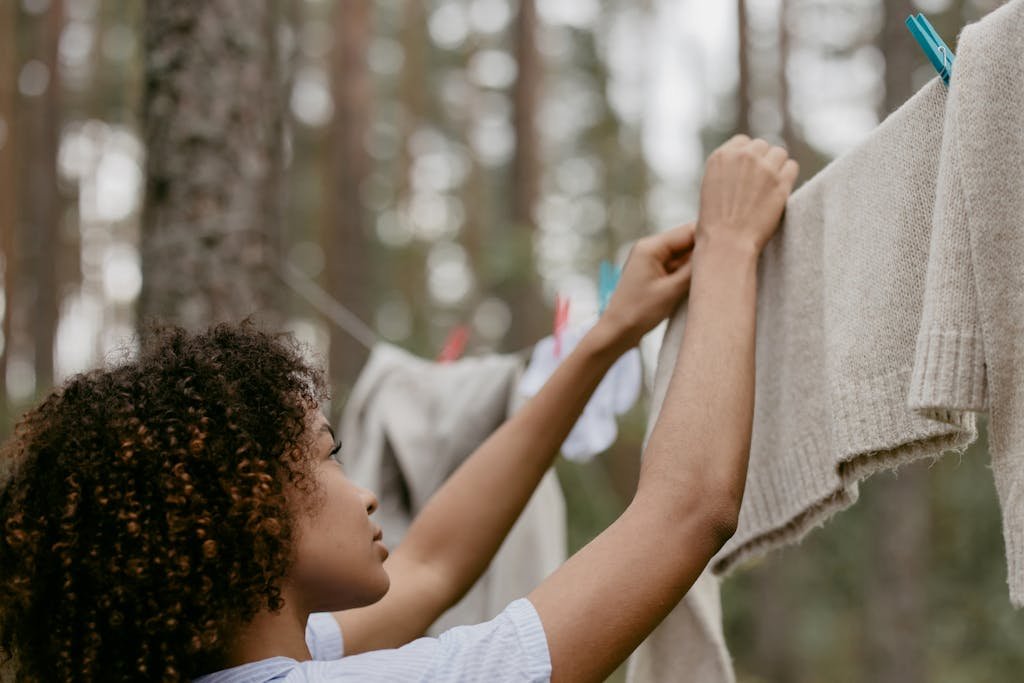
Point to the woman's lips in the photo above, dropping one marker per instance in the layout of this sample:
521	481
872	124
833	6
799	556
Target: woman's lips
379	536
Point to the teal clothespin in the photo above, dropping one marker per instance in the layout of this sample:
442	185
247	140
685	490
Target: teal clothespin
938	52
606	283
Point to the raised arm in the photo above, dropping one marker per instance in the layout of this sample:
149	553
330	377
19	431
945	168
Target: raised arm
611	594
451	542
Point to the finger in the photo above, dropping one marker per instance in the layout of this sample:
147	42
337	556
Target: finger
679	238
759	147
776	158
790	170
679	260
737	141
679	280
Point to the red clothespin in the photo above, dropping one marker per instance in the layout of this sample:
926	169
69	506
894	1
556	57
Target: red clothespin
454	345
561	320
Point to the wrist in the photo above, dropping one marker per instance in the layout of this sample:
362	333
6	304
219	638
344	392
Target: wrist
721	244
609	336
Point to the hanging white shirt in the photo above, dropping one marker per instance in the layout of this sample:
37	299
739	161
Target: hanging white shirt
596	429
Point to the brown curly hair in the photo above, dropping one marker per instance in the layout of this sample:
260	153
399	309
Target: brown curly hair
146	509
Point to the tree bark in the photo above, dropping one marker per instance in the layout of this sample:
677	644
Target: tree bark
529	317
39	123
8	192
410	264
789	136
774	655
743	88
896	596
901	54
212	118
346	237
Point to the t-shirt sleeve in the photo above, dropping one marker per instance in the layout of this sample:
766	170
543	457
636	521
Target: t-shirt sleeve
323	636
510	647
512	642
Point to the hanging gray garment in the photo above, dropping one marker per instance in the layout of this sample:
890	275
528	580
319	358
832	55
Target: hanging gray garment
409	424
890	312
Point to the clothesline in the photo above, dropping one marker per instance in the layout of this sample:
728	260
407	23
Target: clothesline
319	299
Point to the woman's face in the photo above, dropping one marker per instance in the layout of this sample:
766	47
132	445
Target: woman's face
340	553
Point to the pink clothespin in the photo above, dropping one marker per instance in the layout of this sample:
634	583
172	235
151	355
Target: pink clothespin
454	345
561	320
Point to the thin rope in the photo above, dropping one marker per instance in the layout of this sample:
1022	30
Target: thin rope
319	299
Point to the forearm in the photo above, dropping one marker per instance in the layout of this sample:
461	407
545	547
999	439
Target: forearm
704	428
465	522
632	575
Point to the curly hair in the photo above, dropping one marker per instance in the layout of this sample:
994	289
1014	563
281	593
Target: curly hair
146	509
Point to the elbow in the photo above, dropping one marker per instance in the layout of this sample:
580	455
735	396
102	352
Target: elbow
724	514
722	524
718	513
698	512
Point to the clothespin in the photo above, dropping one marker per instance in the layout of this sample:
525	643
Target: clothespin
561	320
454	345
606	283
938	52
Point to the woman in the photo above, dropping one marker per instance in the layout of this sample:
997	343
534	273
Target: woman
183	513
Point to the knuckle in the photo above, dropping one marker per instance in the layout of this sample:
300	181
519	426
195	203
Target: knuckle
748	154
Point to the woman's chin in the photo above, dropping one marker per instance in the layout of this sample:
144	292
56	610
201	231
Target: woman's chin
377	591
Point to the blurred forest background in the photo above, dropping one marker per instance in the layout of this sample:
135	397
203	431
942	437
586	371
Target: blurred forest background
437	163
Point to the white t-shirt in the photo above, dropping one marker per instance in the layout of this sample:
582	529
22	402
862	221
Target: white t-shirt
510	647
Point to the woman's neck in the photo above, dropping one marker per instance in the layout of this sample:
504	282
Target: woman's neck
271	634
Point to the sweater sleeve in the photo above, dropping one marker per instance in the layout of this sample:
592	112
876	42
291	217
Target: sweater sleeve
949	363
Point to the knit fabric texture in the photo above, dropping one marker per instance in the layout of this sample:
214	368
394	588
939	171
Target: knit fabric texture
890	312
407	427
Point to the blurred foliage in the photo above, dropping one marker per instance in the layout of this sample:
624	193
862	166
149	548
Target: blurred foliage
973	633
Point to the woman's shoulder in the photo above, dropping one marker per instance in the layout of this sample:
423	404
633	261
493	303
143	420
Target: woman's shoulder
510	647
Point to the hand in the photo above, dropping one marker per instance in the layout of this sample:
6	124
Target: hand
655	278
744	192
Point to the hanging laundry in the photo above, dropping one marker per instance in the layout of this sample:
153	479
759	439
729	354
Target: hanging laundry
596	429
409	424
890	312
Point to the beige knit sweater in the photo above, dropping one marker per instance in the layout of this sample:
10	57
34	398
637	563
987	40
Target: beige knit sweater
890	312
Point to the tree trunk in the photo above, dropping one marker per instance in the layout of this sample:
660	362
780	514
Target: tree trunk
40	212
774	655
8	192
896	596
407	267
212	116
789	137
346	240
743	88
529	319
901	54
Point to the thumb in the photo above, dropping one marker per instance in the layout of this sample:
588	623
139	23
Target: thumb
678	281
677	239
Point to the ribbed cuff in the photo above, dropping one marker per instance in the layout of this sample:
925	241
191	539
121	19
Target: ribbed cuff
949	374
874	430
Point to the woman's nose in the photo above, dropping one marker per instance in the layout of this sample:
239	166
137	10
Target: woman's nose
371	501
